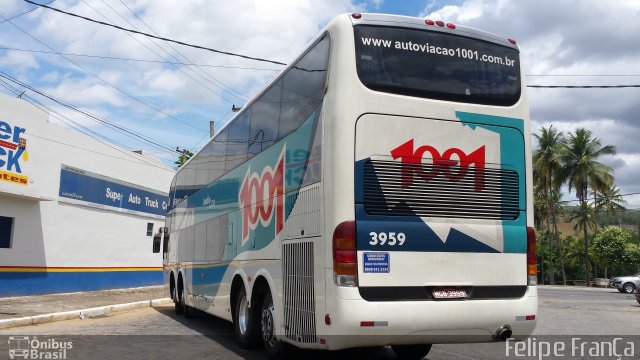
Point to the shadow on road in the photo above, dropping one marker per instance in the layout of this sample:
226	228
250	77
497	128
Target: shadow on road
221	332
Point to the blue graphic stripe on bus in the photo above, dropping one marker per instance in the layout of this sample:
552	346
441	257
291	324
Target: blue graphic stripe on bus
511	141
418	236
512	153
94	189
206	280
222	197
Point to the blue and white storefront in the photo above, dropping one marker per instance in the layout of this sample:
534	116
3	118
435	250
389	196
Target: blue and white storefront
75	214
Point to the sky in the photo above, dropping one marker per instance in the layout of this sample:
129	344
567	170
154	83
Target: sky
92	67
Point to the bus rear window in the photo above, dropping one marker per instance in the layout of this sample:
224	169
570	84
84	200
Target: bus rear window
437	65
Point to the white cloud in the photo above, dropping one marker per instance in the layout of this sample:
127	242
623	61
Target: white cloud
560	38
567	37
86	91
19	60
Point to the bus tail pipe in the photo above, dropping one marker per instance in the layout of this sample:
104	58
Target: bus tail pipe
504	333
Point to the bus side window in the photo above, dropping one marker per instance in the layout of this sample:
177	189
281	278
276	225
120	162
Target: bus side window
156	243
216	153
303	87
265	116
237	142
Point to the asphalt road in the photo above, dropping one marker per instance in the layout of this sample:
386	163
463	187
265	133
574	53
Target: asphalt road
590	314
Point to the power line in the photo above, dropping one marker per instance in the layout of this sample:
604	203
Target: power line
137	60
157	37
55	114
281	63
105	122
101	153
621	195
224	86
183	71
103	80
24	13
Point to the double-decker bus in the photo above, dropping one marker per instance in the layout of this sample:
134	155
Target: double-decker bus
376	192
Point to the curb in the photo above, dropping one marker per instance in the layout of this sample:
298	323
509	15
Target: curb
574	288
81	314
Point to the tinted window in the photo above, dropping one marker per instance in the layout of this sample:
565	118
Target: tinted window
303	87
202	170
437	65
265	116
216	153
237	141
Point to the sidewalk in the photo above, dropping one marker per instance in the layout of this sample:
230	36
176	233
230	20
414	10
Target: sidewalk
23	307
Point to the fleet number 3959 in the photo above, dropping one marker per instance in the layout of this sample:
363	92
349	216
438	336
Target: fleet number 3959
389	238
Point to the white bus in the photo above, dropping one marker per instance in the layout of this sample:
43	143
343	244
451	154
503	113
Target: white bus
376	192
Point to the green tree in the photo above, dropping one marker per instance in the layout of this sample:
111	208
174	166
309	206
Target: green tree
185	155
610	200
547	164
609	248
582	171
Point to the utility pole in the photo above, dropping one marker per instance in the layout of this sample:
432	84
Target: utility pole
184	156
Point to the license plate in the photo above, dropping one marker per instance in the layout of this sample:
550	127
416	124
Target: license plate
458	293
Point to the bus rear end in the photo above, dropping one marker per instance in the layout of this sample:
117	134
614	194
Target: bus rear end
439	247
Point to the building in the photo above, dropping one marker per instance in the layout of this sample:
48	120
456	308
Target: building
76	214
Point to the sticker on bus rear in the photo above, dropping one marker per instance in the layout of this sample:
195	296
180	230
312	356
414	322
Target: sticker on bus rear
375	262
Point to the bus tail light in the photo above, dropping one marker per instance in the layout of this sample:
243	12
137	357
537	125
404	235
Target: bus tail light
440	23
429	22
532	259
345	262
451	26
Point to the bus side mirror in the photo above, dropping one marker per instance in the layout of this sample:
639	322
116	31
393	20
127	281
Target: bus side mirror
156	243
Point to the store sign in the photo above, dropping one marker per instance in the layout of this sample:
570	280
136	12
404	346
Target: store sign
13	154
85	188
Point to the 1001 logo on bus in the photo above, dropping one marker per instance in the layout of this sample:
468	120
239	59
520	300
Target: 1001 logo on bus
261	198
453	164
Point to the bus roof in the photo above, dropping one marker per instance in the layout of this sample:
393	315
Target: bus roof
421	23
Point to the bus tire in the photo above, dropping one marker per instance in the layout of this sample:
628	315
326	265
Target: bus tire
176	301
186	310
244	322
274	347
411	352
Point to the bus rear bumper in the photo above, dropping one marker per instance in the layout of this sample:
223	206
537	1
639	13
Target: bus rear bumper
360	323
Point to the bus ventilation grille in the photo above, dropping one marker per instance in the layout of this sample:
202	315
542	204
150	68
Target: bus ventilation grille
391	188
299	296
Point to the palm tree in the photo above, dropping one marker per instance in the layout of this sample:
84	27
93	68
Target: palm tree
558	210
599	185
582	170
547	163
610	200
583	216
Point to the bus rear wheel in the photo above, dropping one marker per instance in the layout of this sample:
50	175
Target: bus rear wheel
176	301
274	347
411	352
244	322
